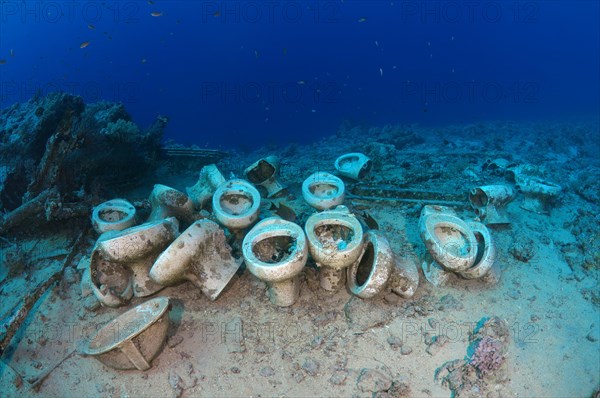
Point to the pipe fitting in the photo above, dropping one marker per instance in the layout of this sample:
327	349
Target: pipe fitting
489	203
275	251
539	193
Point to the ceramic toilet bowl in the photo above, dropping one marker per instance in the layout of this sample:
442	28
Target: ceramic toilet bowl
134	338
448	239
275	251
379	268
137	248
486	252
353	165
201	255
236	204
169	202
335	240
114	215
208	181
110	282
323	190
264	173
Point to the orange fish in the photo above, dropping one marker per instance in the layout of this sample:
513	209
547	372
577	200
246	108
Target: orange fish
156	14
84	44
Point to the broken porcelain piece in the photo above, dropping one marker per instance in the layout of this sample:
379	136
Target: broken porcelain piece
209	180
323	190
236	204
201	255
489	203
335	241
275	251
448	239
169	202
539	193
114	215
134	338
137	248
353	165
378	267
436	275
486	252
264	173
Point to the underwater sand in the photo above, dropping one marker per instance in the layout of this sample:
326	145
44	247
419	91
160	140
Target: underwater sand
322	344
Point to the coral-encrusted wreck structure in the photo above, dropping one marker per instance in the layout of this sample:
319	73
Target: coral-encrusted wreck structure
57	155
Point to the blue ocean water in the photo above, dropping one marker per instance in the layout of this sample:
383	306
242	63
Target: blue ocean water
249	73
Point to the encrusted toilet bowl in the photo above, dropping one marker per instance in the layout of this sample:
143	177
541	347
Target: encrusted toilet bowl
335	240
208	181
169	202
489	203
353	165
201	255
137	248
448	239
134	338
378	268
323	190
111	283
114	215
275	251
236	204
264	173
486	252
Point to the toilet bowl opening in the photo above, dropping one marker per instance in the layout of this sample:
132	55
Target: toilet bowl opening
236	203
323	190
262	172
112	215
274	249
480	247
334	235
452	240
365	169
366	264
346	163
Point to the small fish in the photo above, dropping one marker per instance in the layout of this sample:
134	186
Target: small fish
2	61
91	27
301	82
381	71
156	14
284	50
376	43
144	60
84	44
12	52
256	54
150	2
362	19
217	13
